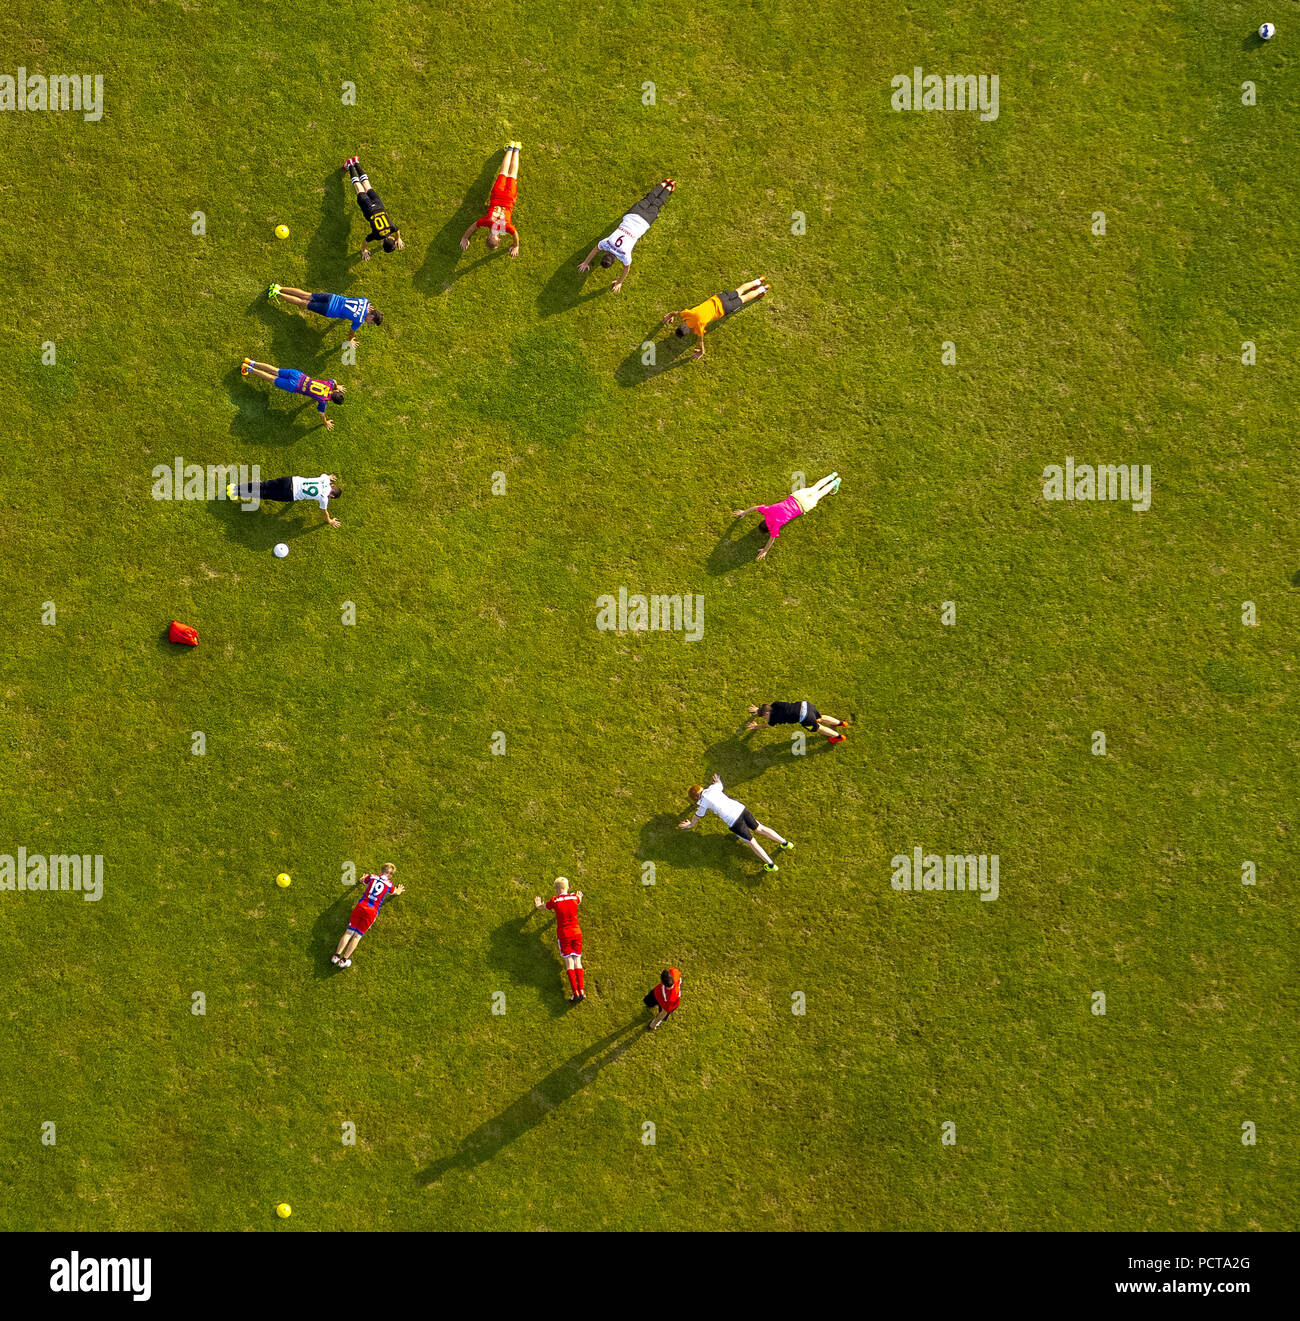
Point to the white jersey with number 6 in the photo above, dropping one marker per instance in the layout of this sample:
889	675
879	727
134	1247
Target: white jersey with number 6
621	242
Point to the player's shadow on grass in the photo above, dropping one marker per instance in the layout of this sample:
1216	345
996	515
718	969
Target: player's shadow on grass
748	754
443	259
259	529
524	949
328	256
738	545
326	933
298	339
670	352
256	418
560	1085
662	840
569	288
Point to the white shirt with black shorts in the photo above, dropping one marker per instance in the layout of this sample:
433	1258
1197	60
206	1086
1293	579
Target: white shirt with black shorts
734	815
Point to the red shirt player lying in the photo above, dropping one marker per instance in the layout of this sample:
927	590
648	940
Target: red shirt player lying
378	889
501	205
568	933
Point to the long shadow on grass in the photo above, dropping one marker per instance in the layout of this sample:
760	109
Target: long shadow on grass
670	353
745	756
326	932
719	850
259	529
298	339
568	287
441	267
735	548
255	419
497	1133
328	257
524	949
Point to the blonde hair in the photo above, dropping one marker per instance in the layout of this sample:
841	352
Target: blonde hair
389	868
694	792
561	885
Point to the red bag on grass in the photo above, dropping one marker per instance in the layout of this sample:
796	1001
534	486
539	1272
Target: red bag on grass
182	633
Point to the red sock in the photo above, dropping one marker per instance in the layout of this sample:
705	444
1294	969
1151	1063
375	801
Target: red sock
582	983
572	975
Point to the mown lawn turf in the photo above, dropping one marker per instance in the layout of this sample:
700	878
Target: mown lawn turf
475	614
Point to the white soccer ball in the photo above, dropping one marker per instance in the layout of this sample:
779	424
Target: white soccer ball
281	550
1266	31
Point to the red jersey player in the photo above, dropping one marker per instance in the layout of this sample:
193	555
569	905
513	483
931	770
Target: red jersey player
501	205
665	997
568	933
378	889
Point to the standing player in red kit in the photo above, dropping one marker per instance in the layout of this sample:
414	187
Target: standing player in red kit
568	933
378	889
665	997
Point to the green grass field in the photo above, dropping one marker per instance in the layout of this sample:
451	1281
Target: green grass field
476	614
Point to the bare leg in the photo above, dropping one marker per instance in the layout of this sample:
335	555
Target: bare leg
299	296
262	370
756	847
510	165
768	833
808	496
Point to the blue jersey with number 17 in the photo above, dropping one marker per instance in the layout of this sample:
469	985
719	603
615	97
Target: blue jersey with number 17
349	309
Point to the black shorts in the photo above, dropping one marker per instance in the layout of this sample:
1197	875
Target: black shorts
811	721
319	303
651	1003
745	825
730	302
648	207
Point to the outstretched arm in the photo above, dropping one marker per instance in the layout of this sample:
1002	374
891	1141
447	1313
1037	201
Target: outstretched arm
585	264
514	252
740	513
762	554
466	236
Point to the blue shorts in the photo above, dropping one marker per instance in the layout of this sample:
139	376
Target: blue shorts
290	378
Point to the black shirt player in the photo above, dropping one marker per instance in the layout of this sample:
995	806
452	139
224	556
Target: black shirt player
382	229
799	713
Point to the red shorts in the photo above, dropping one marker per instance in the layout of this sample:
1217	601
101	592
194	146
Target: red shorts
504	192
361	918
570	943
